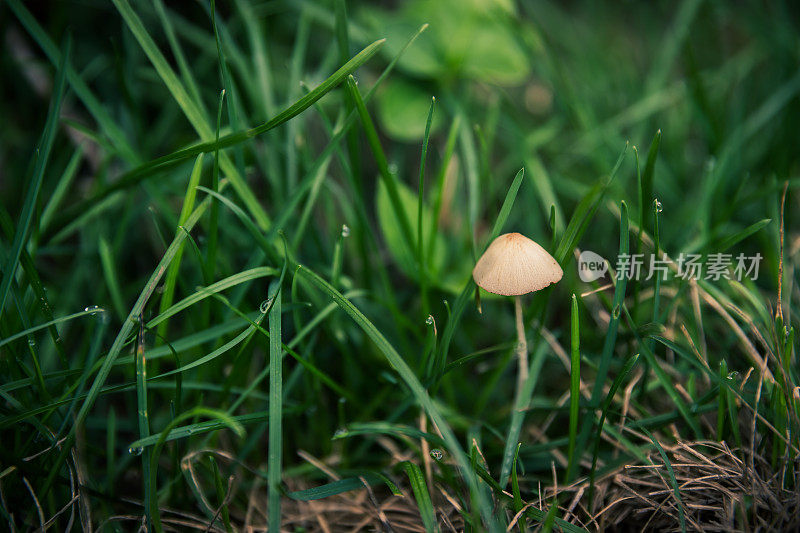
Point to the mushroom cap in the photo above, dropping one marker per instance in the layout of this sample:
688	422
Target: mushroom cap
513	265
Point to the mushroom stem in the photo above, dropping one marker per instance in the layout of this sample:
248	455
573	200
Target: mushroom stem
522	346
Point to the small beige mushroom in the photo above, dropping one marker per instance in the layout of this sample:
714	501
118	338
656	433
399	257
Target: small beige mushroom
514	265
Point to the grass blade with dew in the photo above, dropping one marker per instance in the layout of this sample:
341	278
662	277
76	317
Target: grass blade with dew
646	187
35	283
120	340
205	292
275	447
574	391
42	156
53	322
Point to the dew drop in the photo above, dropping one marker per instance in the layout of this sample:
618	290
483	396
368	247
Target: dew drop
135	451
393	168
437	454
339	433
429	320
264	307
615	313
732	375
91	309
345	230
31	342
657	206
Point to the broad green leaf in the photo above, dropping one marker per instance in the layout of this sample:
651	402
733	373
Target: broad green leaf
390	227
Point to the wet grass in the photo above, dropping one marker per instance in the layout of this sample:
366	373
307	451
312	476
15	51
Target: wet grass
236	250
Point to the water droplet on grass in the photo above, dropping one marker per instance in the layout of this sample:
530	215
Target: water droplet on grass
345	230
429	320
264	307
135	451
658	206
339	433
437	454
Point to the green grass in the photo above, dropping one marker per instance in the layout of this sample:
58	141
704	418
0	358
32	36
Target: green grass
236	242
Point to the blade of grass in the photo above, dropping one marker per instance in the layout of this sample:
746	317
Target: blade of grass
293	88
143	415
611	332
463	297
423	278
171	276
220	419
205	292
574	391
42	157
584	213
421	494
623	374
520	410
450	146
518	505
53	322
389	179
190	108
275	408
93	105
213	223
177	52
120	340
410	379
62	186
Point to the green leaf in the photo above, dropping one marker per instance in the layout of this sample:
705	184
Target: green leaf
336	487
406	258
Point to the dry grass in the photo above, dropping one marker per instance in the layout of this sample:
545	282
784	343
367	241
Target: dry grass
718	492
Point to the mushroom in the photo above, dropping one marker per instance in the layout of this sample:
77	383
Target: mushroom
514	265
